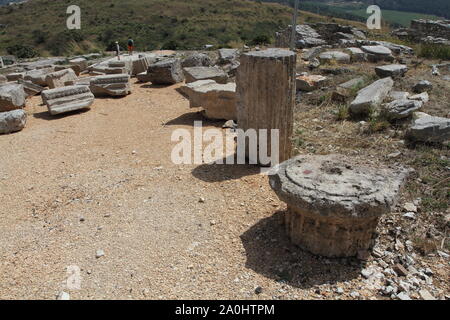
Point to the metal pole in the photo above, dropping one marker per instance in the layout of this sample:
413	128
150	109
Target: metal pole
294	25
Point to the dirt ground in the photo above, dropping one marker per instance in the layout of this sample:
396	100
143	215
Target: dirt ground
104	180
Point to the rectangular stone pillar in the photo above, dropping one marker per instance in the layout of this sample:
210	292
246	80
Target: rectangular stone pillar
266	96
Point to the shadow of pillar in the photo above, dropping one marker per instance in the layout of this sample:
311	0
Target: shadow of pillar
270	253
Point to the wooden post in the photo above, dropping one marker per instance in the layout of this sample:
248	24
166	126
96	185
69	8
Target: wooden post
266	96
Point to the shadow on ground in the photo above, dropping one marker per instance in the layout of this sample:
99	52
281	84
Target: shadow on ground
270	253
214	172
47	116
187	119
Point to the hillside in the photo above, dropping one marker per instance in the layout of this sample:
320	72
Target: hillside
153	24
396	13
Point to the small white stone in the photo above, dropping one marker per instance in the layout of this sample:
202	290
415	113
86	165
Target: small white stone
410	215
99	253
409	207
63	296
426	295
403	296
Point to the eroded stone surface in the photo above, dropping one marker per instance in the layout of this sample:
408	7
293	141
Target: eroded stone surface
12	96
429	129
334	56
188	89
58	79
205	73
65	99
310	82
335	201
399	109
112	85
197	60
166	72
391	70
228	55
217	100
371	96
12	121
38	76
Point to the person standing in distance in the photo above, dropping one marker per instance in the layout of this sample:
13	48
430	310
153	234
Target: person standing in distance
130	46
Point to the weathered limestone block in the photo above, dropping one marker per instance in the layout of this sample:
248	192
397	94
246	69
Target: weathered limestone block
429	129
12	121
217	100
423	86
39	76
378	53
228	55
3	79
399	109
391	70
143	77
12	96
30	88
142	63
399	95
166	72
197	60
424	97
188	89
312	53
124	64
372	96
113	85
344	90
334	202
66	99
205	73
310	82
337	56
58	79
231	68
356	54
79	65
266	96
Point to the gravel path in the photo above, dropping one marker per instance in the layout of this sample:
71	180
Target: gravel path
97	192
103	180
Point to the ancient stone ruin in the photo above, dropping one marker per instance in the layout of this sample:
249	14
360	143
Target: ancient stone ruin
427	31
318	34
66	99
334	202
261	108
112	85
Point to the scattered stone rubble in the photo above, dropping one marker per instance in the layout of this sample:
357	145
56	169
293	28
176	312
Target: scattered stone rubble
310	82
66	99
166	72
318	34
370	98
392	70
427	128
112	85
426	31
12	96
193	74
217	100
12	121
59	79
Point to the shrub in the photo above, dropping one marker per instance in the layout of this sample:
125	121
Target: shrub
434	51
22	52
261	39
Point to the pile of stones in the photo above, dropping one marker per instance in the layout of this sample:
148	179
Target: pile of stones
426	31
